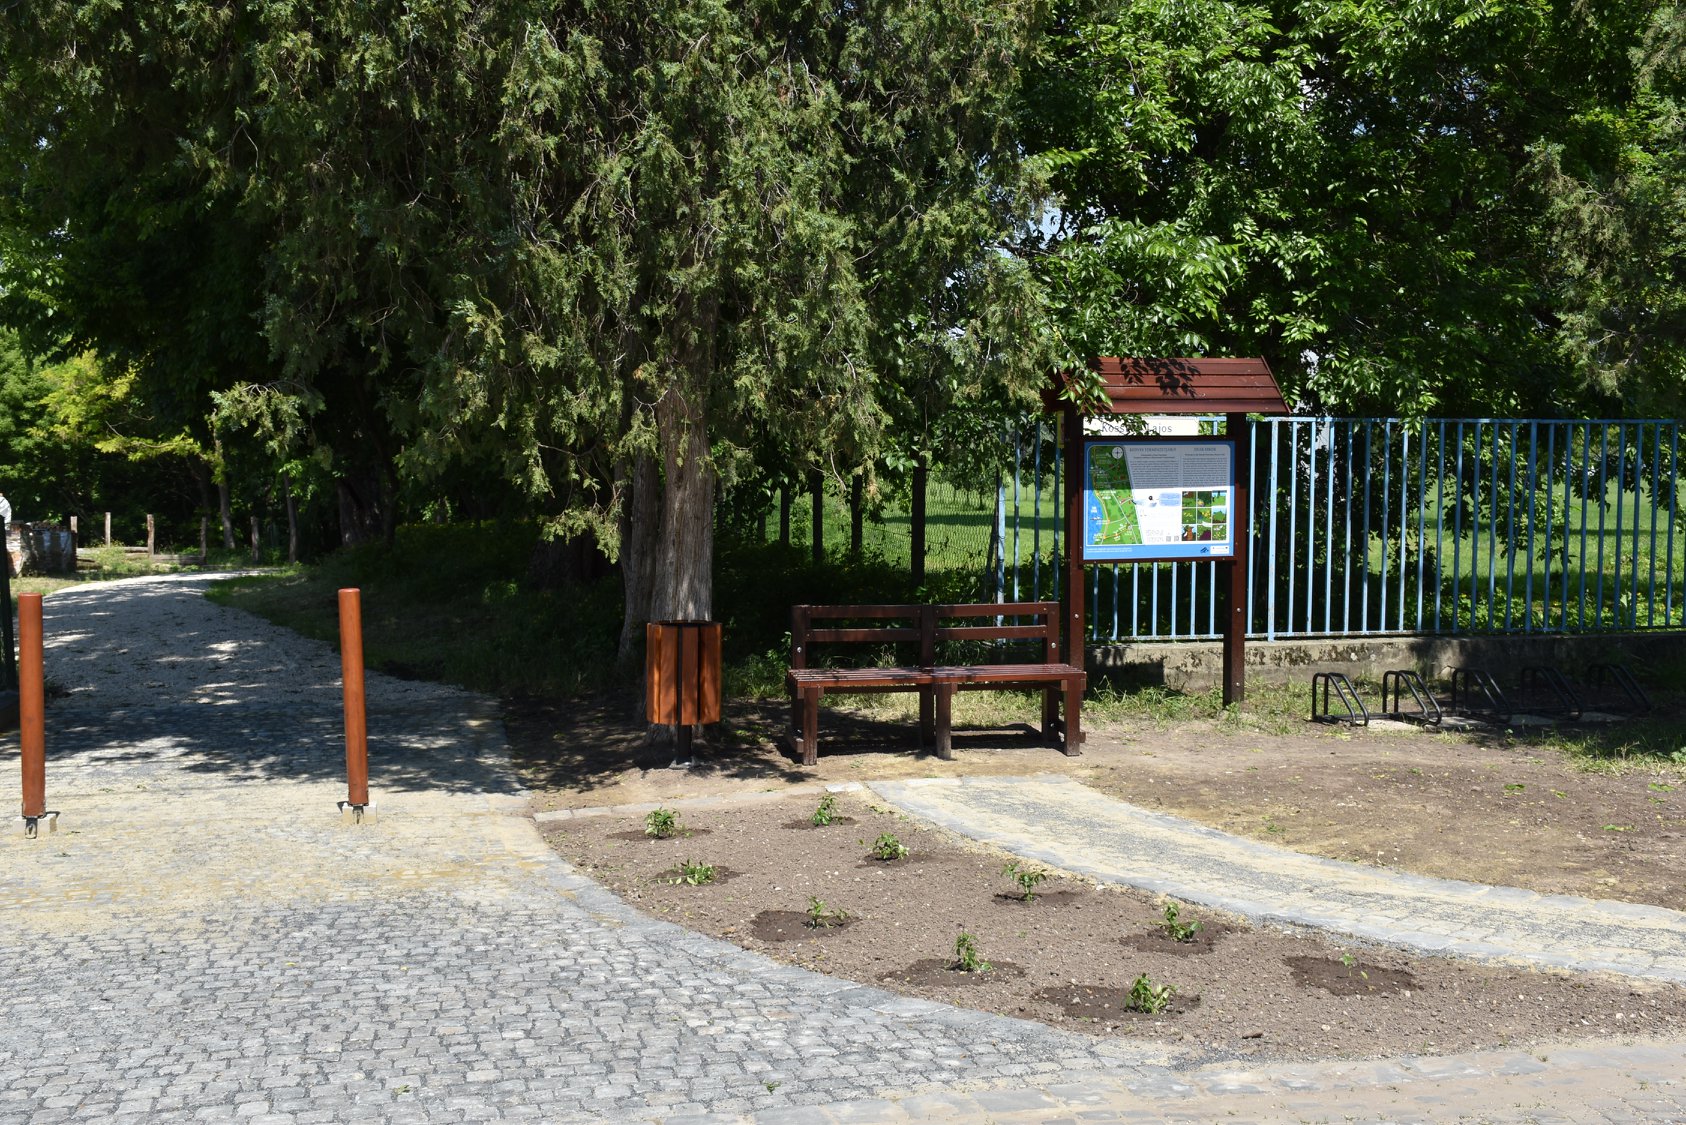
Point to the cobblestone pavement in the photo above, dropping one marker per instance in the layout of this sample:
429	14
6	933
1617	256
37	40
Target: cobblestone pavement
203	940
1065	823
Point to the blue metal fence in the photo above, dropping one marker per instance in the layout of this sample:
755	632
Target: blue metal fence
1366	526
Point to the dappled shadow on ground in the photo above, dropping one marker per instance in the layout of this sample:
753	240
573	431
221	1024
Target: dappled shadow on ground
436	749
588	744
153	686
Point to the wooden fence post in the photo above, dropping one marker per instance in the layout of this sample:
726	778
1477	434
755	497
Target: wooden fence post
151	536
356	808
108	529
32	724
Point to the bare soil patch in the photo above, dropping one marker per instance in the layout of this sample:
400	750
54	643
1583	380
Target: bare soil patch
1078	948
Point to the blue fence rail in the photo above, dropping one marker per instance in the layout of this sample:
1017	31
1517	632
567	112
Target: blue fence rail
1374	526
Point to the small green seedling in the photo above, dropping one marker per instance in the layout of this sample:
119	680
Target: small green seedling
1351	963
1028	878
821	916
1179	931
966	959
695	874
826	813
661	823
1145	996
888	847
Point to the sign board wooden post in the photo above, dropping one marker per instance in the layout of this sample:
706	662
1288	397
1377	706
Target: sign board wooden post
1208	520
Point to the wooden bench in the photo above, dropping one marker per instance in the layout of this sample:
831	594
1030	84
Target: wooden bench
922	627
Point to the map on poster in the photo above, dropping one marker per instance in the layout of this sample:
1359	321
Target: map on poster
1157	499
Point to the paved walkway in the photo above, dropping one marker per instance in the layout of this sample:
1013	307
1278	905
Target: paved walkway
204	941
1059	821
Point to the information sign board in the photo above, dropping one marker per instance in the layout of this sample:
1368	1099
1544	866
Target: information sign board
1158	498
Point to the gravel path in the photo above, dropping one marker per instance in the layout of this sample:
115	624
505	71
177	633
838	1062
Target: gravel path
203	940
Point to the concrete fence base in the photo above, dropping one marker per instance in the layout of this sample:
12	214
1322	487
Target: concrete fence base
1198	665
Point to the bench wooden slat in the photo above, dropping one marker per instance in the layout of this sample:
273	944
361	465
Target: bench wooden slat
823	676
990	632
866	635
1002	675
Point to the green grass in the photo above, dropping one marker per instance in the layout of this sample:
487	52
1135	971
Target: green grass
447	603
1641	745
957	525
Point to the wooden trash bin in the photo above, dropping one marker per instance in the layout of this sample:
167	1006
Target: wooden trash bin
682	677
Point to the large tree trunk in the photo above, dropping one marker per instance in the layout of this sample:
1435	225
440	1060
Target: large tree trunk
292	518
362	514
640	533
225	509
684	586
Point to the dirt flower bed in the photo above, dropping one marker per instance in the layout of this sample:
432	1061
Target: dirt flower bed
1076	956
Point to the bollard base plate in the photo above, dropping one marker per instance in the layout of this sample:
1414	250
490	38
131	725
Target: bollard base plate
357	814
32	824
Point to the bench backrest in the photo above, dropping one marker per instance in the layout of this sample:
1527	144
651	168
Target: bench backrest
923	625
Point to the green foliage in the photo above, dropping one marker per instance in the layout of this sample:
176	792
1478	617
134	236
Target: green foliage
821	916
1147	997
826	812
1179	930
887	847
1026	878
693	873
966	959
654	244
1389	201
660	824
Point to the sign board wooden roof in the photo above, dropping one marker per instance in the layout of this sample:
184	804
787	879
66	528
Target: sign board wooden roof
1182	386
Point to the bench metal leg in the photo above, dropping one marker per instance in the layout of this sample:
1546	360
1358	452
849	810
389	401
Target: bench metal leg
945	722
1073	745
810	727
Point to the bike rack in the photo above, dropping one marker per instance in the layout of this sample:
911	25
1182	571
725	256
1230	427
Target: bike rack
1356	713
1466	682
1394	686
1543	679
1618	674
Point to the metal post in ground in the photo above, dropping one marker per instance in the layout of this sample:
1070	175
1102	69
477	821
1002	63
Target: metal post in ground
32	733
356	808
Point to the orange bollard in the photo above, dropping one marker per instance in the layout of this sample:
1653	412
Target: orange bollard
356	732
32	724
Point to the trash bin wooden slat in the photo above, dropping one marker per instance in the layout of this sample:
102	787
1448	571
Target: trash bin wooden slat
682	672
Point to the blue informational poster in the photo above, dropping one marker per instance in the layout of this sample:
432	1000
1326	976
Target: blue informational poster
1158	498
